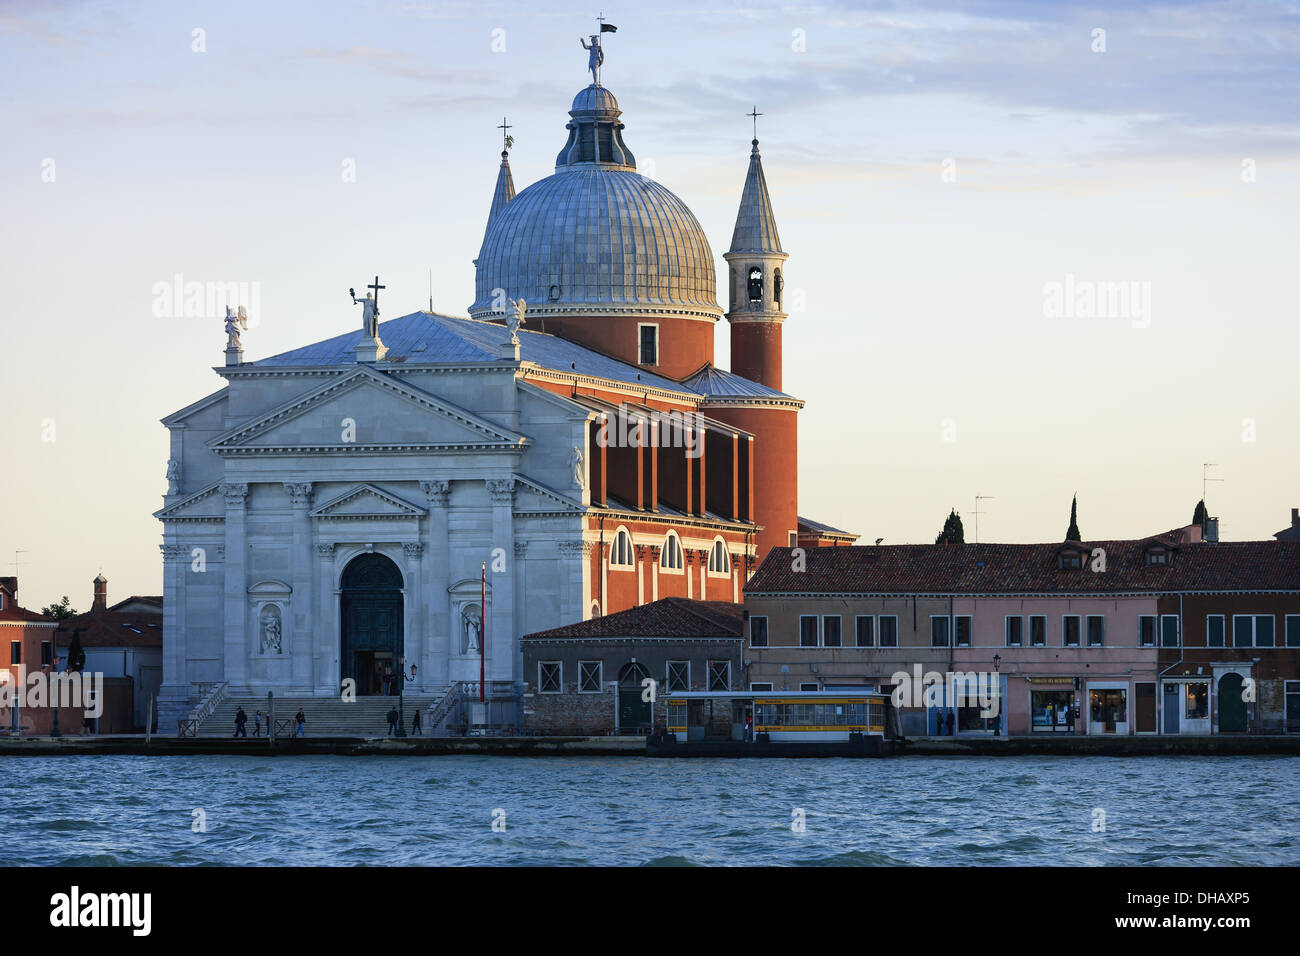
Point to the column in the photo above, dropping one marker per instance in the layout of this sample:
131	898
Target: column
501	629
300	647
235	593
413	620
175	683
520	588
325	640
655	552
640	551
437	566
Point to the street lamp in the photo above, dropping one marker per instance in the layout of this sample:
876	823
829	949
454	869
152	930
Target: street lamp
997	670
402	681
54	697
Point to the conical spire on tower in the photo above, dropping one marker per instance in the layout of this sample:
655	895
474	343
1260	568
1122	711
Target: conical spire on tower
755	222
505	189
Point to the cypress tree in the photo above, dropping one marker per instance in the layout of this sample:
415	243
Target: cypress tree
1200	515
952	530
1072	533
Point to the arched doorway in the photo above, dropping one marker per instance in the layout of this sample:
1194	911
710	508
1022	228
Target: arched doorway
633	713
371	611
1232	708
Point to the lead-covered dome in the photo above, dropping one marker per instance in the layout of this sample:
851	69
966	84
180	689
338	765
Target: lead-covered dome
596	236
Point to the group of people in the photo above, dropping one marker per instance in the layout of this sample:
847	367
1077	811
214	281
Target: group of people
241	723
394	721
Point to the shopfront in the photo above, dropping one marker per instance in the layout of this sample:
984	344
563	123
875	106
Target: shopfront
1052	704
1185	706
1108	707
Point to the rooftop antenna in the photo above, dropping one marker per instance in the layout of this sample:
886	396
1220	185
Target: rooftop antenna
1206	479
430	290
16	553
978	499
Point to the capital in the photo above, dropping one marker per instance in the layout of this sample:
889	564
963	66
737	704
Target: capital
502	490
437	492
299	493
234	492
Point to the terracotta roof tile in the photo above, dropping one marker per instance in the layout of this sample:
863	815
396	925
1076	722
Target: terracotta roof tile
1029	569
667	617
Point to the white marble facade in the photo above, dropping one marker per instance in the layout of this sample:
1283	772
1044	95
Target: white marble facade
282	478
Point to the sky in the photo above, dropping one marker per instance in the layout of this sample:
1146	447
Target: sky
964	189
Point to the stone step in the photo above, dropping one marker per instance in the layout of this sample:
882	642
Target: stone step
324	716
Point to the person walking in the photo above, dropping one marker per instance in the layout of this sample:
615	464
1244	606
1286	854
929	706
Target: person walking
241	720
257	724
393	718
301	718
938	722
950	721
415	722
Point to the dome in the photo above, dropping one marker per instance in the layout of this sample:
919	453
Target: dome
594	99
597	236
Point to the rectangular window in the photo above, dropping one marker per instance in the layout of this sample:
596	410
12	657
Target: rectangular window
1070	630
866	634
758	632
961	630
1264	631
47	654
1037	630
719	675
938	631
589	677
1169	630
1096	630
831	630
1015	630
15	652
549	677
807	630
809	685
679	676
762	686
1243	630
649	345
1198	700
1293	630
1214	630
1147	630
888	630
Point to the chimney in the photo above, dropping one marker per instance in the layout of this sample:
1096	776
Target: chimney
100	585
1295	517
1212	530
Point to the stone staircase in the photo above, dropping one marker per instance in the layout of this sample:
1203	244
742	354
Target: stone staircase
324	716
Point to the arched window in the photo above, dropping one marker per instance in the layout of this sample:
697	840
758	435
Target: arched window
719	560
595	609
755	285
777	285
671	555
620	550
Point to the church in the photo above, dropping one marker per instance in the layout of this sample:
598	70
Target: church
414	495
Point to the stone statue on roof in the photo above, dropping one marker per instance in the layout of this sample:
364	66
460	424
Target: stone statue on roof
515	318
596	57
235	321
369	323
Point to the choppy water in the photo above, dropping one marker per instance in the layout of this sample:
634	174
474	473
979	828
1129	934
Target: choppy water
106	810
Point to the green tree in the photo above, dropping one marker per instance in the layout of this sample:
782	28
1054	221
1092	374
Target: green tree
952	531
1072	532
61	611
1201	514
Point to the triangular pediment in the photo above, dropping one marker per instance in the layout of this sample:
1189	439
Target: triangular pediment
368	502
365	411
206	504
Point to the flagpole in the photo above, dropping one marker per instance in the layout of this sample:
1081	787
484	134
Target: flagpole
482	635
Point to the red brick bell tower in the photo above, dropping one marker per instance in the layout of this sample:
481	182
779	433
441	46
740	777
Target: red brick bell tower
755	279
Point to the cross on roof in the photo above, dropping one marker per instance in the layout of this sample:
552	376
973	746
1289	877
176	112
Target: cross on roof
505	137
754	114
376	286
